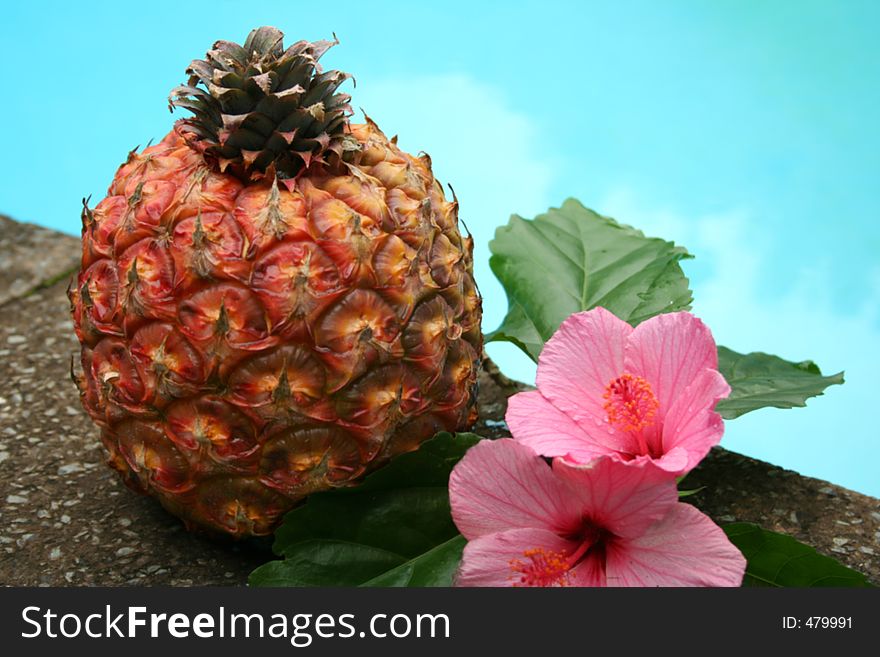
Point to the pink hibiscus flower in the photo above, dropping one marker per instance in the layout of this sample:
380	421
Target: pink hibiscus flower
605	388
603	524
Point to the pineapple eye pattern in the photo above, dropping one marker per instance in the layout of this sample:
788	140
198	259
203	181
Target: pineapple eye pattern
273	301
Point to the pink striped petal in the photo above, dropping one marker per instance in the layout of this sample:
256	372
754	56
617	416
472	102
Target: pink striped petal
674	461
691	423
536	422
489	560
578	363
670	351
623	498
589	572
501	484
684	549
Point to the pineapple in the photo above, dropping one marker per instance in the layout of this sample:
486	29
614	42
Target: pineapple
273	300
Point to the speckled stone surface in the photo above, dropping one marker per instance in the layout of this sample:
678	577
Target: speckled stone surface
838	522
30	256
65	519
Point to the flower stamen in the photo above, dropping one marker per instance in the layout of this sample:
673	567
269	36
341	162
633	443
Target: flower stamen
542	568
630	403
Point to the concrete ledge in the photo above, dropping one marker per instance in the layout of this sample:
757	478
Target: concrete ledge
65	519
31	256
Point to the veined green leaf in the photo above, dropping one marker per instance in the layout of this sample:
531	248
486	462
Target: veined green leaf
325	562
759	380
778	560
571	259
433	568
395	529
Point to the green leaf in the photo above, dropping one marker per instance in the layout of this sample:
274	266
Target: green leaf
517	328
758	380
778	560
323	562
572	259
433	568
395	529
690	491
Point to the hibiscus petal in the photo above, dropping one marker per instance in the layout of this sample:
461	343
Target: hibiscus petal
670	351
577	364
489	560
691	423
673	461
622	498
589	572
536	422
684	549
501	484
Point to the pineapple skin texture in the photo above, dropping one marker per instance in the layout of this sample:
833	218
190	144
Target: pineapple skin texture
245	345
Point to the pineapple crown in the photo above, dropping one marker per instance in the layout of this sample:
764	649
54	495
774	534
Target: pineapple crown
263	110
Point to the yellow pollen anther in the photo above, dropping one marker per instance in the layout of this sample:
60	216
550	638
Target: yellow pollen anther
542	568
630	403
